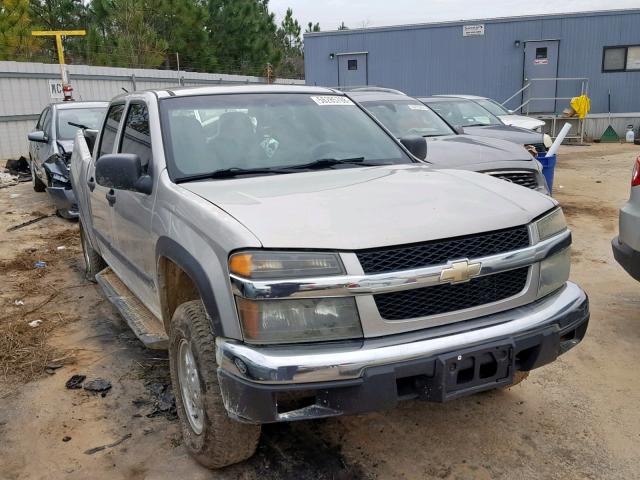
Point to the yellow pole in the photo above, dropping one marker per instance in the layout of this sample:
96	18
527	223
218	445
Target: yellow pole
60	48
63	70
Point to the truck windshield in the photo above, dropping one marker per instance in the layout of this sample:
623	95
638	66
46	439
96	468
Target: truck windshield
270	132
463	113
89	117
407	117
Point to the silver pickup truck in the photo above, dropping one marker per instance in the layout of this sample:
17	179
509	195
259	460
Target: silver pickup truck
299	262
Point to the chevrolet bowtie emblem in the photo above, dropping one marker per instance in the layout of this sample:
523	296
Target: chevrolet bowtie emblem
461	271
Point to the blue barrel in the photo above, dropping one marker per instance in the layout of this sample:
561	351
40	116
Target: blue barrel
548	169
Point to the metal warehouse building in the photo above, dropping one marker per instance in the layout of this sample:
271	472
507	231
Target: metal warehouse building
558	56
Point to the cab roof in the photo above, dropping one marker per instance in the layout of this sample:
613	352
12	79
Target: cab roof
239	89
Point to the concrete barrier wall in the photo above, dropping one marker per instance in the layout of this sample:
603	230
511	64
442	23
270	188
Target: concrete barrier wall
25	91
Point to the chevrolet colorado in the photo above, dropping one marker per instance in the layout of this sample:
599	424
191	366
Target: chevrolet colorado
299	262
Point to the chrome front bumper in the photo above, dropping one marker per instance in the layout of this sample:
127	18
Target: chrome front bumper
308	363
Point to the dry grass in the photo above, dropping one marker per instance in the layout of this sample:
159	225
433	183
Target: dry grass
24	350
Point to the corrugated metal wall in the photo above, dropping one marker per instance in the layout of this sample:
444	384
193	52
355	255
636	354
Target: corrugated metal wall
437	59
24	92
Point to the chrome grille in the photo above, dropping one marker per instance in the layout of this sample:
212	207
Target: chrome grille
406	257
446	298
526	179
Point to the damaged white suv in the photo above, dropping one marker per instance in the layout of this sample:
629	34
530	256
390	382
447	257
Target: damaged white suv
300	263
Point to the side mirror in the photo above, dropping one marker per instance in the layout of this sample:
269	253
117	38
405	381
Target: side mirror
123	171
90	136
38	136
416	145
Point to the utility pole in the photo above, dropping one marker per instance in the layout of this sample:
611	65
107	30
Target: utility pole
66	87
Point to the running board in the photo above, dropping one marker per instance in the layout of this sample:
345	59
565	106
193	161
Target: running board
147	327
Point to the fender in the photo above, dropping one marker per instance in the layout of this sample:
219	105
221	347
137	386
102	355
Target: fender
166	247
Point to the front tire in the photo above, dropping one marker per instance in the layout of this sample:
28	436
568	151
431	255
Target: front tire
210	436
93	262
38	185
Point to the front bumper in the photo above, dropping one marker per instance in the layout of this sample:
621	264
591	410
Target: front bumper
65	201
627	257
284	383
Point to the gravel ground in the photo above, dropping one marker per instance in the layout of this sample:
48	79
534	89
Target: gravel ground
577	418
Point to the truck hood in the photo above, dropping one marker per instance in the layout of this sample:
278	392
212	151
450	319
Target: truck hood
521	121
461	151
356	208
506	132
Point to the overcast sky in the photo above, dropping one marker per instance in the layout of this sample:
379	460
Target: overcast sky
359	13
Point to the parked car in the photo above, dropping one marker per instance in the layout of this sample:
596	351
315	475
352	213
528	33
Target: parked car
477	121
299	263
508	117
446	148
50	146
626	246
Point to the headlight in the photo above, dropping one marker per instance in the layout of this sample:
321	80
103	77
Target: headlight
277	265
554	272
551	224
293	321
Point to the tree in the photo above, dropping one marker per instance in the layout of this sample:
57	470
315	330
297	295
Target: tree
342	26
312	27
16	41
181	23
58	14
121	36
242	35
290	30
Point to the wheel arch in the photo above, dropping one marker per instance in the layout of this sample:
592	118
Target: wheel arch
181	278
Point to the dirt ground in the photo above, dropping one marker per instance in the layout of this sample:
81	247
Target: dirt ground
577	418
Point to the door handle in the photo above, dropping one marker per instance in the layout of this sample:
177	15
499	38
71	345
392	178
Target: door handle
111	197
92	183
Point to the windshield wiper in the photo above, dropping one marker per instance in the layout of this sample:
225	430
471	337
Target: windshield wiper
231	173
476	125
331	162
78	125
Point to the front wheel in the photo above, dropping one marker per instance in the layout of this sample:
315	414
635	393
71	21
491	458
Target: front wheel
210	436
38	185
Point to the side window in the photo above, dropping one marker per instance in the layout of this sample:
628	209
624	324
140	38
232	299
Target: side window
42	118
110	129
352	64
137	137
46	123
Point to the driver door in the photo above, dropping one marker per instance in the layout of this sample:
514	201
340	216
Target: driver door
99	196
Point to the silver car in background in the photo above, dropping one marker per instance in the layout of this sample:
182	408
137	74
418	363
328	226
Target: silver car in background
508	117
447	147
626	246
50	146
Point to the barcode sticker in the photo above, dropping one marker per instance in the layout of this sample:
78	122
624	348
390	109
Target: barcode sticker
332	100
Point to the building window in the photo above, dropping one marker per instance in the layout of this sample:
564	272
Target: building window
541	53
621	58
352	64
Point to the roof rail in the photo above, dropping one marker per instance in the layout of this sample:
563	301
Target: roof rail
369	88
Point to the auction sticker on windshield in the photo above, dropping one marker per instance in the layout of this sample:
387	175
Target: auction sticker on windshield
332	100
417	107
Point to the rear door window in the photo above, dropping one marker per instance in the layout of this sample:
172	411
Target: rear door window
137	136
110	131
